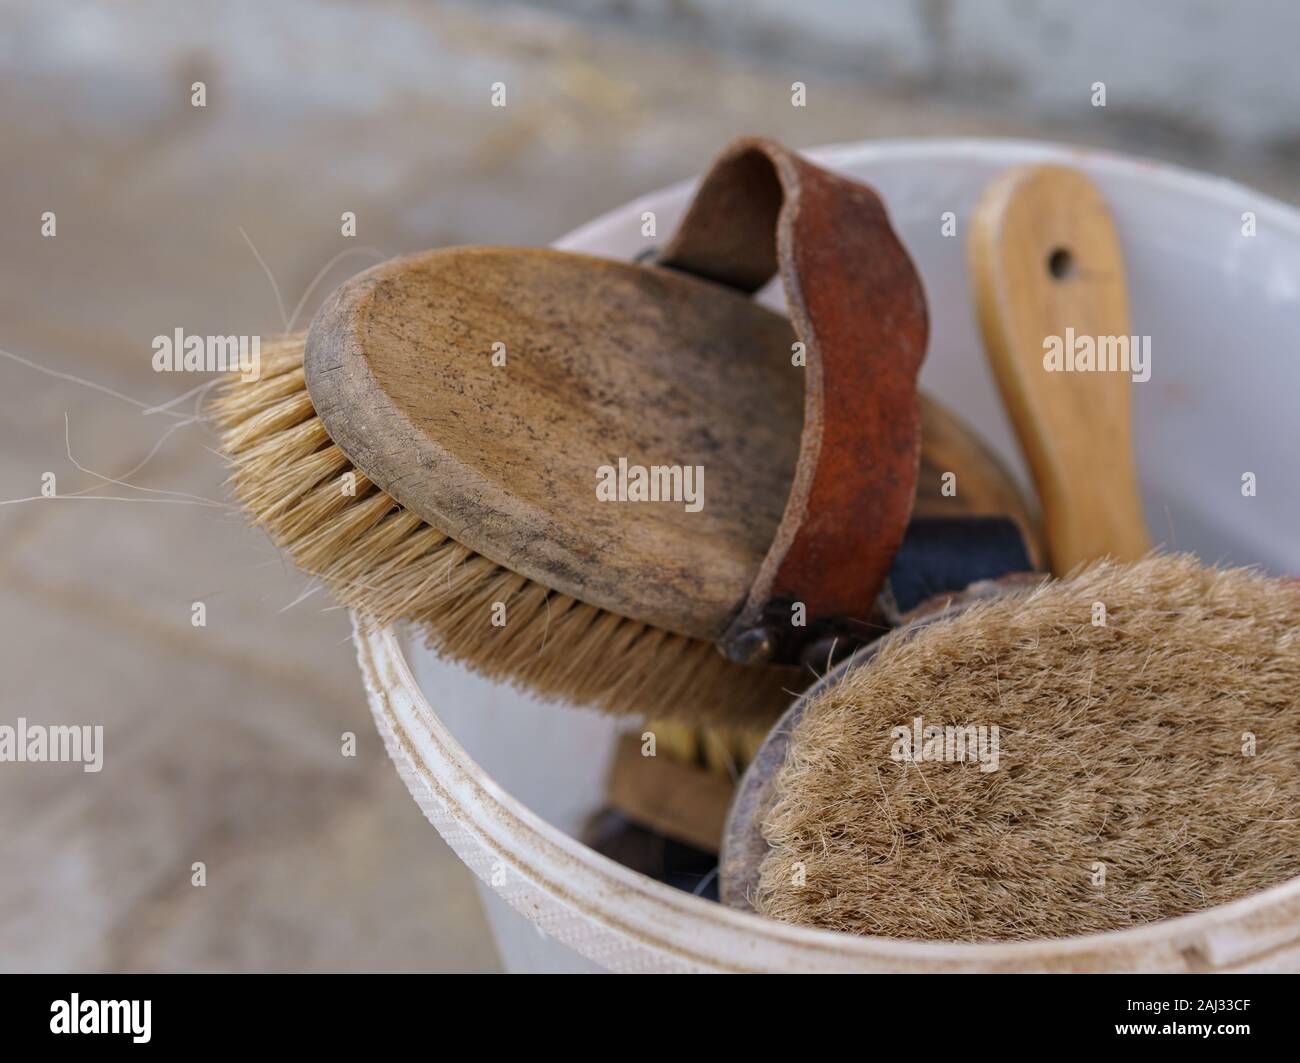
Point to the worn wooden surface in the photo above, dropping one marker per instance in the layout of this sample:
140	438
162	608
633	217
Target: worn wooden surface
1045	257
685	802
603	360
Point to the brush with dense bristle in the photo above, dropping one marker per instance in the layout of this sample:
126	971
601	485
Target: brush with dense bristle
1142	768
389	565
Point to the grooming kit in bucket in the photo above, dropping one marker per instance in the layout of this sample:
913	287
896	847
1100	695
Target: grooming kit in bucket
631	486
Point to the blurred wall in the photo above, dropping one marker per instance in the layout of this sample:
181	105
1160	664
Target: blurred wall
1200	73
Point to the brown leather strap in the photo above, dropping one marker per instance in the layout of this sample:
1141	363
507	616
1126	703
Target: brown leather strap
857	305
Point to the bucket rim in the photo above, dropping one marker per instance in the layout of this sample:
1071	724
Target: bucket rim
566	889
1003	151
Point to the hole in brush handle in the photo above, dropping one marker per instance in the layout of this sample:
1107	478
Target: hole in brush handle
1060	263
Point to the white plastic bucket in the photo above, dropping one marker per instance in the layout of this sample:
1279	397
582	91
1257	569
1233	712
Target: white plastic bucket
508	781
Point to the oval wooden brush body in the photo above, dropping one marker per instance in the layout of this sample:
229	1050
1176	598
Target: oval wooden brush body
614	604
437	457
603	361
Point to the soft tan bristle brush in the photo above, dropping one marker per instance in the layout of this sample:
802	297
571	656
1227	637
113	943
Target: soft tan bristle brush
431	449
1007	768
1047	268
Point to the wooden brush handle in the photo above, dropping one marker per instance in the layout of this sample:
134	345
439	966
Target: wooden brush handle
1045	258
681	800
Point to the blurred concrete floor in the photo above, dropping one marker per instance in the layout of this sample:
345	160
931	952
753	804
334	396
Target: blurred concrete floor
223	742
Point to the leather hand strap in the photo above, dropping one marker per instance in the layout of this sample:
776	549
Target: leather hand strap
857	305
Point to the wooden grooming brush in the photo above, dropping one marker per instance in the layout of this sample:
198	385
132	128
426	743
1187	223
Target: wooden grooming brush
1046	265
431	451
1106	775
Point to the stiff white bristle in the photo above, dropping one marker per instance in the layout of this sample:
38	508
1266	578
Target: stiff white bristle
389	565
